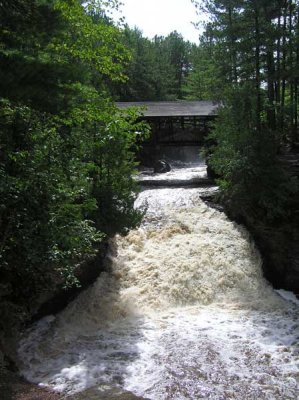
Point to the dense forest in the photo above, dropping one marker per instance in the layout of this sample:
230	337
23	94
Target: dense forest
251	49
67	155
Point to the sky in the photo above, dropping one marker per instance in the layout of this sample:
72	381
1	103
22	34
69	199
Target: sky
160	17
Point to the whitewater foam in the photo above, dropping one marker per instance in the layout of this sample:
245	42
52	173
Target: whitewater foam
182	312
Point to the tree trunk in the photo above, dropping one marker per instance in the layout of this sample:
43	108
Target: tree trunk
291	66
257	68
283	73
233	58
296	80
278	63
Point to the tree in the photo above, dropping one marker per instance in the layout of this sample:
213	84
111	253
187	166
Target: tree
139	84
253	58
204	80
178	51
67	154
157	70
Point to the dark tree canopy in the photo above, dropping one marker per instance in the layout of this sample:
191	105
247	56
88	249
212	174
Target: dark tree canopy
66	161
249	59
158	67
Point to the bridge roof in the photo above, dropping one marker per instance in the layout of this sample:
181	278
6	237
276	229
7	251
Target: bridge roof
173	108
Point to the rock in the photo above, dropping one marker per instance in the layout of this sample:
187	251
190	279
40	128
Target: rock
161	166
13	387
57	299
102	393
278	246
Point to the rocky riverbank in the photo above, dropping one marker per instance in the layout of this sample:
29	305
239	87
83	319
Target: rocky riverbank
12	387
278	246
278	243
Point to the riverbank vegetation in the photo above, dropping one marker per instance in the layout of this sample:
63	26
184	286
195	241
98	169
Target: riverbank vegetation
67	154
252	51
248	59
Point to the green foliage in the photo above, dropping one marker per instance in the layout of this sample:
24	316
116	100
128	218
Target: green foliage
252	180
204	81
96	43
66	153
45	199
247	59
158	67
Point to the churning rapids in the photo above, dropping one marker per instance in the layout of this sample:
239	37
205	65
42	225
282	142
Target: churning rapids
183	312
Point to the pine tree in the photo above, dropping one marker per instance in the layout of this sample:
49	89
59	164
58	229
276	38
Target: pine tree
253	56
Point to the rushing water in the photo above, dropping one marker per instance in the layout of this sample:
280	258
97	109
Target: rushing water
182	312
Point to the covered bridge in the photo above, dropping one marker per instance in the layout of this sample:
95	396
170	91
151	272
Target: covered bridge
176	123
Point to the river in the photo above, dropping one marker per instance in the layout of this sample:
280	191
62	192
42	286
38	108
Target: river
183	312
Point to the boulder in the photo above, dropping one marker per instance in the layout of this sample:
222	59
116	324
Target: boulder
161	166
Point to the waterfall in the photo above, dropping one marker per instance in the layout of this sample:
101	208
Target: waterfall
182	312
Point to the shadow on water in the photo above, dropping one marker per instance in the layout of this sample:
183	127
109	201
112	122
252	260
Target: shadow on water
92	342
